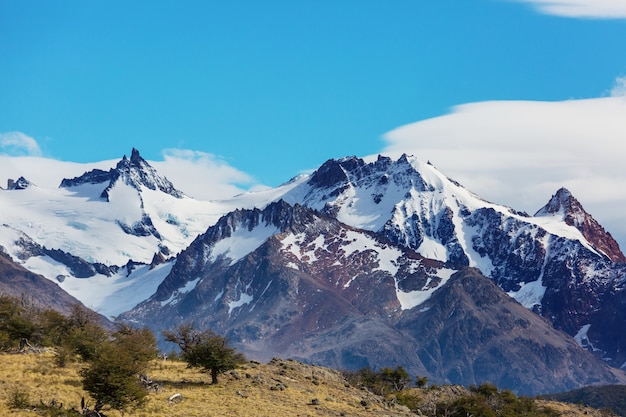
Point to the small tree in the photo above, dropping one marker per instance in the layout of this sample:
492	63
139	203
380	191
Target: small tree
397	379
205	350
421	381
112	377
84	332
15	323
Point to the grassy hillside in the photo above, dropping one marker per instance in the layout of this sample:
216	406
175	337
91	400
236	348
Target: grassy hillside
279	388
609	396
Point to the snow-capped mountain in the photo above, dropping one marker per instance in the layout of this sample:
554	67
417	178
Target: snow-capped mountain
329	265
127	213
561	263
292	282
98	234
134	172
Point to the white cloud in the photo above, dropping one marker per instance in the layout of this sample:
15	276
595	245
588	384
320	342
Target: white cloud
18	144
202	175
519	153
596	9
44	172
619	89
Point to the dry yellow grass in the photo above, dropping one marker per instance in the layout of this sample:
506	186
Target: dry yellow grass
574	410
253	390
37	376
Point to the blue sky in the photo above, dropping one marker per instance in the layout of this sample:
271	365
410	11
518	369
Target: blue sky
274	88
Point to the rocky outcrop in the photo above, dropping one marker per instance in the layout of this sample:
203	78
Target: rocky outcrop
471	331
20	184
95	176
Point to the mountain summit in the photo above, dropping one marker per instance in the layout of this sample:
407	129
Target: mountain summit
565	205
135	172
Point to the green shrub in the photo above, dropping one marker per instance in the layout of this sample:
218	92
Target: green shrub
383	382
408	399
18	399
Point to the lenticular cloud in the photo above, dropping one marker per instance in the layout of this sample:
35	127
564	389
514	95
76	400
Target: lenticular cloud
520	152
597	9
18	144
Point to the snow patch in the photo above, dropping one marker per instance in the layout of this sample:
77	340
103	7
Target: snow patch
243	299
387	256
530	294
431	248
111	296
242	242
582	338
347	284
409	300
189	286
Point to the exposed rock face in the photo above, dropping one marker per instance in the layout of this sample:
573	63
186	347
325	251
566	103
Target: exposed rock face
95	176
471	331
20	184
288	281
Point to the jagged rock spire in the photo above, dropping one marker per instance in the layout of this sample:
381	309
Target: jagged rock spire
135	172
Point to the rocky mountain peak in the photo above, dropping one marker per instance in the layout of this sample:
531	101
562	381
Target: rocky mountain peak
332	172
562	202
565	204
134	156
20	184
336	172
137	172
279	214
331	183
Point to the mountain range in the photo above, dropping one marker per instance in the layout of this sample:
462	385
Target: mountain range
365	262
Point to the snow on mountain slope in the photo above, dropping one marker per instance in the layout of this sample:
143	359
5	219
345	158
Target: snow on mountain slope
410	202
313	288
107	290
107	295
77	220
348	260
